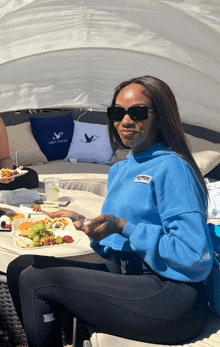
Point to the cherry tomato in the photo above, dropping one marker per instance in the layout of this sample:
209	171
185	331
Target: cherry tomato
68	239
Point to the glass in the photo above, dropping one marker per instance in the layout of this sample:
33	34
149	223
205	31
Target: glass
135	112
52	188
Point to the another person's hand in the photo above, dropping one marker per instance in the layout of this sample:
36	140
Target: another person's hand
7	180
103	226
66	214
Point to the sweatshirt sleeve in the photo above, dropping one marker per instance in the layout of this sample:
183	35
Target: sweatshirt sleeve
180	248
166	220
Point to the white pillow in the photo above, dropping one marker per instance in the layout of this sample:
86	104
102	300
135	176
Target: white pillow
205	153
90	143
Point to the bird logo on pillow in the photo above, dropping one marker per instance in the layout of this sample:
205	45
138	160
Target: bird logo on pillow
57	136
89	139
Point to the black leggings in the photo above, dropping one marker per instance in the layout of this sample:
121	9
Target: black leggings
29	180
122	297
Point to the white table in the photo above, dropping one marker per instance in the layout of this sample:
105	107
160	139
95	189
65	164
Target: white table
85	203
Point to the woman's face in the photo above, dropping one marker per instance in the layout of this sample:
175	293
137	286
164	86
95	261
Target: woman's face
138	135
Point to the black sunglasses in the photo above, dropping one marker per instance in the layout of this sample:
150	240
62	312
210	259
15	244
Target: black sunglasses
135	112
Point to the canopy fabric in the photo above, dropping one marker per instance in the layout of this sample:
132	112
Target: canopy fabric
72	54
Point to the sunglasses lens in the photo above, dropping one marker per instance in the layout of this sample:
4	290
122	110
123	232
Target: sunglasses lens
138	113
115	113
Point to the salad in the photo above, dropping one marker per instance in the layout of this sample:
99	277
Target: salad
44	232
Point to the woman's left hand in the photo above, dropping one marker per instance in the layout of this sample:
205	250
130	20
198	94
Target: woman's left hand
102	226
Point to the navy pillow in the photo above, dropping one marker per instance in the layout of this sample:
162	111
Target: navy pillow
53	135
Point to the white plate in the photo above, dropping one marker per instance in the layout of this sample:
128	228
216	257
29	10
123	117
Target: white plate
28	208
21	173
24	241
44	208
7	216
49	208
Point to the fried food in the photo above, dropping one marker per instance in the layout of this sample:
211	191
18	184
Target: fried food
24	228
16	216
37	208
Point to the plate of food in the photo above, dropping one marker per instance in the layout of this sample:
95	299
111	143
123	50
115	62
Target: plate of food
43	232
7	217
6	173
36	209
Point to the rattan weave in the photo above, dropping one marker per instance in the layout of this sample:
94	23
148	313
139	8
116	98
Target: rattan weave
10	322
11	325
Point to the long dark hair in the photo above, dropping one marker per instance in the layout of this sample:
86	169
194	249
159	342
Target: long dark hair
170	129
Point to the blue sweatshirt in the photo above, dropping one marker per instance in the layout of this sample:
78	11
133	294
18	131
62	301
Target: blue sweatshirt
162	199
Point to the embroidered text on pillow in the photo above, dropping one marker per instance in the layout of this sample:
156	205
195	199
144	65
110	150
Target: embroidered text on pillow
143	179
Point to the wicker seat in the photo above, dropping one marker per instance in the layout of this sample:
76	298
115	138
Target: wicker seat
10	322
11	325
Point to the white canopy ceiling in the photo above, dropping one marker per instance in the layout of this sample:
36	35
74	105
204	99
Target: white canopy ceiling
65	53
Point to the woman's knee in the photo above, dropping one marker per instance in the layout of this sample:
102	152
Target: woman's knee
32	180
16	266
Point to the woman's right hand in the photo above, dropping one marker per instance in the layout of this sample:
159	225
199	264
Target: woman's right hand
66	214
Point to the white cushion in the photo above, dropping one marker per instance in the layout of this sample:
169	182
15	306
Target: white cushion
94	183
62	167
205	153
120	154
210	337
90	143
22	140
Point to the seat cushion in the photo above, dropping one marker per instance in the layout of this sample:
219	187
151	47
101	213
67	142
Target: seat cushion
210	337
66	167
93	183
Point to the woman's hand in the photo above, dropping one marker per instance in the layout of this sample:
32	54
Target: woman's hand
66	214
102	226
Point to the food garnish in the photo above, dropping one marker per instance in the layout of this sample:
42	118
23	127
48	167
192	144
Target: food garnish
8	219
4	173
16	216
68	239
37	208
42	233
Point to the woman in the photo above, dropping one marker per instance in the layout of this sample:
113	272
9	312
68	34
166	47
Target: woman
29	180
152	232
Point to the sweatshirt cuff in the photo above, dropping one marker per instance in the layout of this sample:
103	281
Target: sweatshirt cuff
128	230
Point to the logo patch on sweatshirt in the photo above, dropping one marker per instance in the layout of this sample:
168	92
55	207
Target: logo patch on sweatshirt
143	179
